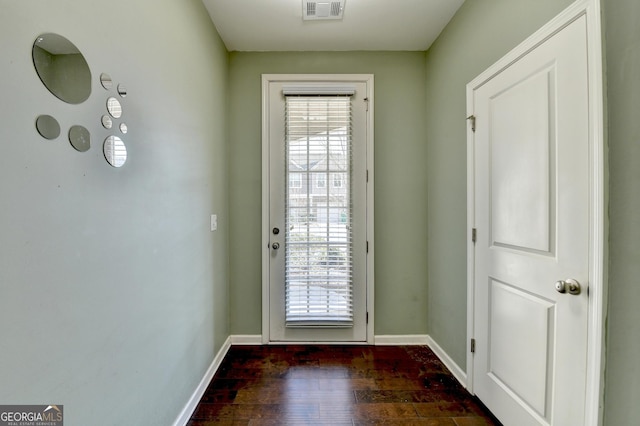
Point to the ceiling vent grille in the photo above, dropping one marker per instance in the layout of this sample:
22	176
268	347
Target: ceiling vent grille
322	10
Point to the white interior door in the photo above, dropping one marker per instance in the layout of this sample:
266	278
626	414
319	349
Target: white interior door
532	209
317	224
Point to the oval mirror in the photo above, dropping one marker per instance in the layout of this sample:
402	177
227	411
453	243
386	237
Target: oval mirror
123	128
105	80
122	91
114	107
48	127
80	138
115	151
107	122
62	68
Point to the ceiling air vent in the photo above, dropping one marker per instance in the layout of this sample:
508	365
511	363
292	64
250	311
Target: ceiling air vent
322	10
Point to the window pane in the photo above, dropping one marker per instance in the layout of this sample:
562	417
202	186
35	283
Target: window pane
318	204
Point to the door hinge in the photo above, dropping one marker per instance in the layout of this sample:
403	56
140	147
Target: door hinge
367	246
473	345
473	122
367	176
474	235
367	317
366	102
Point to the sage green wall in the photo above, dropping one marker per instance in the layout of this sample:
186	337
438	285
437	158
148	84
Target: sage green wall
400	181
622	42
479	34
113	291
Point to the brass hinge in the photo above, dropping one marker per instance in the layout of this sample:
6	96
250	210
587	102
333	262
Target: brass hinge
473	122
473	345
474	235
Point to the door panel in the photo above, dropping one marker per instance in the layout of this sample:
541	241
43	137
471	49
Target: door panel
521	202
518	322
532	216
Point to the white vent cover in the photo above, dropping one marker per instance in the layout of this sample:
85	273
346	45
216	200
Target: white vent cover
322	10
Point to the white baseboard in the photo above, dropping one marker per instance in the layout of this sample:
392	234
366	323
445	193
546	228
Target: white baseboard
400	339
246	339
457	372
191	405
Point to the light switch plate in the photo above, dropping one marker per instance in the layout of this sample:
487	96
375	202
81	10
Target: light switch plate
214	222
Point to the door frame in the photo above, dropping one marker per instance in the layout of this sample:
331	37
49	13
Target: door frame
597	283
267	79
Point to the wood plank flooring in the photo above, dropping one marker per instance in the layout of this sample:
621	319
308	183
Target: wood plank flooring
336	385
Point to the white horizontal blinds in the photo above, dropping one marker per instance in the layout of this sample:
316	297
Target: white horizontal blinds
318	260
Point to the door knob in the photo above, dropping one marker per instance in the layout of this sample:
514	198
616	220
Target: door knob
569	285
275	246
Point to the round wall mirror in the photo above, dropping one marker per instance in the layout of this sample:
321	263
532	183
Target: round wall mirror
115	151
123	128
62	68
80	138
114	107
48	127
105	80
122	91
107	122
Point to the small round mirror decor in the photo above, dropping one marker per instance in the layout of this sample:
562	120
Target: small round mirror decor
48	127
62	68
122	91
123	128
115	151
80	138
105	80
114	107
107	122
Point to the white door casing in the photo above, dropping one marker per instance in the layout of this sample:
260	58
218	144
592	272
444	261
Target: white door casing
274	329
535	199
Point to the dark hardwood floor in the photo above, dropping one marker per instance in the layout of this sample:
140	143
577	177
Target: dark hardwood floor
336	385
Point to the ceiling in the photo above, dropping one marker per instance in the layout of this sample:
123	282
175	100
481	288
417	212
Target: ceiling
277	25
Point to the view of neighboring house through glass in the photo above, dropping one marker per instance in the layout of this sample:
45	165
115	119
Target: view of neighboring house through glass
318	210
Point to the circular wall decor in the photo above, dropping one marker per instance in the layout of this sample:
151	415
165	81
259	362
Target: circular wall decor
80	138
48	127
115	151
62	68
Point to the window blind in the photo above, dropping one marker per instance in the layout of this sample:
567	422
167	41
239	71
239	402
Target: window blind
318	255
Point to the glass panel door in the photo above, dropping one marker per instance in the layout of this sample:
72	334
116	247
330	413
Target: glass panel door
316	228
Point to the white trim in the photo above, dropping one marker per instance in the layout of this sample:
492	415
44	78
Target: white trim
306	80
246	339
315	89
597	285
471	253
448	362
401	339
192	403
379	340
266	173
598	288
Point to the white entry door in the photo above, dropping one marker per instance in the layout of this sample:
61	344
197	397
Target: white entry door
531	278
317	211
